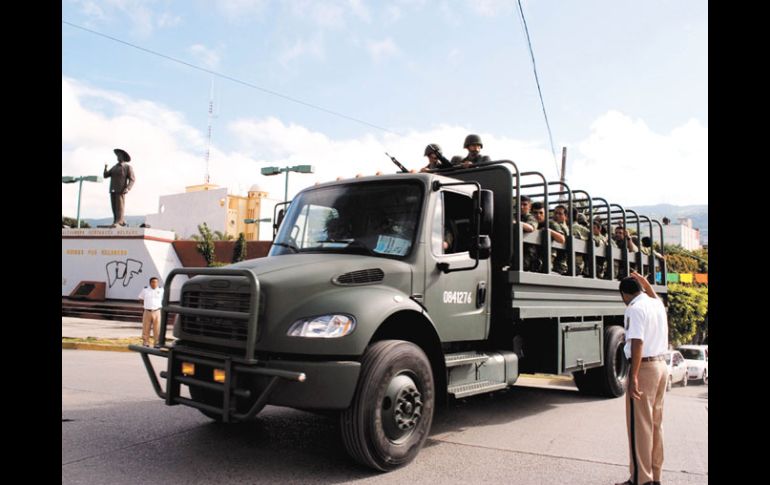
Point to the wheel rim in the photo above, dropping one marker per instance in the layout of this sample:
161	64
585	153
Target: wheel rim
401	408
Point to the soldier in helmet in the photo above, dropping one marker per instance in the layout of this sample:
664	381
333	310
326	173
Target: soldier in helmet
435	158
122	180
474	145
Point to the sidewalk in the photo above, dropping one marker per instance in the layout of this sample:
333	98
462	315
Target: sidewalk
101	334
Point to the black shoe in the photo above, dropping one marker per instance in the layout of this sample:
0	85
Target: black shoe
156	346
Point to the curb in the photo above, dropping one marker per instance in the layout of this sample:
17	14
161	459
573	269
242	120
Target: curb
85	346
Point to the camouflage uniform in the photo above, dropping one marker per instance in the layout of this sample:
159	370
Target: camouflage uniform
580	232
559	256
600	242
532	261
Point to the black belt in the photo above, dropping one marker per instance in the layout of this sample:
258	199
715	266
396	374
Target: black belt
154	310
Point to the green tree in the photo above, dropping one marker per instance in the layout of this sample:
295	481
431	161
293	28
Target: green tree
70	222
205	243
680	263
220	236
239	252
687	309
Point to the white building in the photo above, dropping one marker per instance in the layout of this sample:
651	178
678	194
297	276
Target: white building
209	203
682	234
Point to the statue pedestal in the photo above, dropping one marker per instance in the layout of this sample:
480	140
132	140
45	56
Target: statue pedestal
124	258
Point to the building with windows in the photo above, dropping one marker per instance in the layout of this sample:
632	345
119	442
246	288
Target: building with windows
682	234
223	212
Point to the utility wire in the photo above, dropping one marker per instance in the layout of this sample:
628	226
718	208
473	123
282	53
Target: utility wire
537	81
235	80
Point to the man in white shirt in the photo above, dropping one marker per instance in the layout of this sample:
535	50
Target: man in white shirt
152	299
646	340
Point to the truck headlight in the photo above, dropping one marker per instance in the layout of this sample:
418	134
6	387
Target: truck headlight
323	326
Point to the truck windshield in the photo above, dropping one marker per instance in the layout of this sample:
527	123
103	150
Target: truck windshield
376	218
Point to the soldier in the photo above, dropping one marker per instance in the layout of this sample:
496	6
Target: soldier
559	224
621	239
435	158
600	241
473	145
528	224
122	180
580	232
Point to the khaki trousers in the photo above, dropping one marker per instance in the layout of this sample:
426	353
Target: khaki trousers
644	419
150	317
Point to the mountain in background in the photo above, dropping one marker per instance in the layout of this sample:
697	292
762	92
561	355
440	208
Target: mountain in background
132	221
698	213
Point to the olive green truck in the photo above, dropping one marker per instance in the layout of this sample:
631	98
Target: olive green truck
383	296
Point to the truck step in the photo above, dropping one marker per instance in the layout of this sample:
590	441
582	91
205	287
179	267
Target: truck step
465	390
453	360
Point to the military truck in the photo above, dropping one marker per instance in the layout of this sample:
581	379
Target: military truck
382	297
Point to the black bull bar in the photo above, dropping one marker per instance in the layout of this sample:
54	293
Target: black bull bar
232	366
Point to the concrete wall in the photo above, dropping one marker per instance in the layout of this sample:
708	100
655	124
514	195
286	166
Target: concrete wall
682	235
183	212
124	259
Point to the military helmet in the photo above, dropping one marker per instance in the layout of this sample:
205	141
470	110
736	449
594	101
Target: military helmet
473	140
432	148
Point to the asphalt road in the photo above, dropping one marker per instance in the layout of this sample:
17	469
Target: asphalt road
116	430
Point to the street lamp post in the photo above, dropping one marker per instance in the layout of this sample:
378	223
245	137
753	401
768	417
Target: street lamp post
268	171
72	180
257	221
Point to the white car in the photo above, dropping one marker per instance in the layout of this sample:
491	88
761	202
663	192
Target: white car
677	369
697	359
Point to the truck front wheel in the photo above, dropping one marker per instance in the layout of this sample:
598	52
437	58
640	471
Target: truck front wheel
389	419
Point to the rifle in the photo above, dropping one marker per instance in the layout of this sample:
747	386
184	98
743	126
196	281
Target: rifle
398	164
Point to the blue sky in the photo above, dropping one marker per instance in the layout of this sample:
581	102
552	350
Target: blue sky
625	86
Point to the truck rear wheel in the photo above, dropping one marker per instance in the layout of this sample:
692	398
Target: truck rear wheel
389	419
610	379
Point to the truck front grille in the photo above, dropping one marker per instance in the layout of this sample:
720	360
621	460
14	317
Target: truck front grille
216	327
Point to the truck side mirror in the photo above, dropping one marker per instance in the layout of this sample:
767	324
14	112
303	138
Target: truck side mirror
486	205
481	248
278	221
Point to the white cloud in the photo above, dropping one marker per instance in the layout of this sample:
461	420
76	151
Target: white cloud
303	47
632	165
491	8
382	49
621	160
392	13
360	11
241	9
143	18
208	57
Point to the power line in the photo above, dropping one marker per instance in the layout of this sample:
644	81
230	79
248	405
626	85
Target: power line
537	81
235	80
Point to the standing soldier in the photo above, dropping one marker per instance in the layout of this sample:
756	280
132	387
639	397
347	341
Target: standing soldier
122	180
473	145
435	158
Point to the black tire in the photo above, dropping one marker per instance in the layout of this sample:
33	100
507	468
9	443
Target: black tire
686	378
390	416
610	379
705	379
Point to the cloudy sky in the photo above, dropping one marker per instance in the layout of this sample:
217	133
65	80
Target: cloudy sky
625	87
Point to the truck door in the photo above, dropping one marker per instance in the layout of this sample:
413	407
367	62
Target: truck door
457	301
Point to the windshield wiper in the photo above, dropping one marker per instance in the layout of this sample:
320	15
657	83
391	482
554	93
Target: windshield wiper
285	245
351	243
